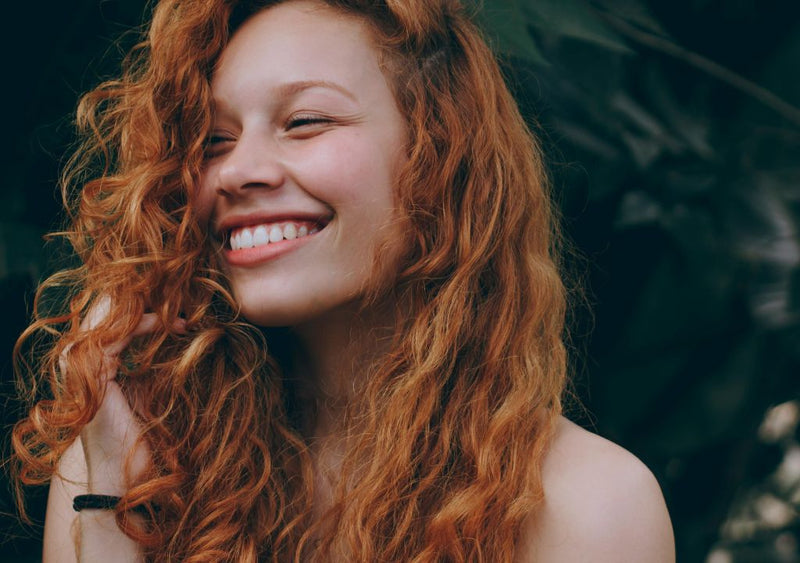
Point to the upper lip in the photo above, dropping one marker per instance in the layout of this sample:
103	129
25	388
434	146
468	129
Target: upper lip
225	225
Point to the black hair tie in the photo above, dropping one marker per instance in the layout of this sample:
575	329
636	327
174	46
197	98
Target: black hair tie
107	502
94	502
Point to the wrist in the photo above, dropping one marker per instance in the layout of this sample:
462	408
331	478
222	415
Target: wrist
106	481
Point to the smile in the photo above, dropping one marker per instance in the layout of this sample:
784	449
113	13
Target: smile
270	233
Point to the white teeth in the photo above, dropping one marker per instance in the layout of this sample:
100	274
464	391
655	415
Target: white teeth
275	234
246	239
260	236
249	237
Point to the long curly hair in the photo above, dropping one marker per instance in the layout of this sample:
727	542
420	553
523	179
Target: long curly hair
468	395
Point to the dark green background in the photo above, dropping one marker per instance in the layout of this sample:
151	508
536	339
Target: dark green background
672	133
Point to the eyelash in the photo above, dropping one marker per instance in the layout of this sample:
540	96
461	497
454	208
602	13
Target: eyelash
211	146
293	123
303	120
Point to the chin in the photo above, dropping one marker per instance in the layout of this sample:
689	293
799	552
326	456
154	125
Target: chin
275	318
289	316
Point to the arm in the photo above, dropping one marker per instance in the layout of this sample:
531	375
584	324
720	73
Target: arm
86	536
601	505
94	463
61	531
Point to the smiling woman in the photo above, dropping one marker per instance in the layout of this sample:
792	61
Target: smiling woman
319	314
310	143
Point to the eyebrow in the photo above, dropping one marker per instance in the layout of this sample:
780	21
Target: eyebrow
294	88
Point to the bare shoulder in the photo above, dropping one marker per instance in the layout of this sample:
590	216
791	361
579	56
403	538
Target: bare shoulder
601	504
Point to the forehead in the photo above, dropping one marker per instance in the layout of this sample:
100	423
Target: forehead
299	40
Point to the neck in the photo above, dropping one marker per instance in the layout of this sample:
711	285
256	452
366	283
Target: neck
334	355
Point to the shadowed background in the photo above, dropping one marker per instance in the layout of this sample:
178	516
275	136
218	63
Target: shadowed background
672	132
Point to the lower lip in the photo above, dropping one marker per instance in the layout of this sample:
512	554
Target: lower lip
264	253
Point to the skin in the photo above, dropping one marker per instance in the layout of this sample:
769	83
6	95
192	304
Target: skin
315	132
331	150
601	505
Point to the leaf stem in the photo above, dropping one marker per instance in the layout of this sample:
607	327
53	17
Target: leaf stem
761	94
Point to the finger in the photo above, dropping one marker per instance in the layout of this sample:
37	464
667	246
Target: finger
150	322
179	326
97	313
62	357
147	324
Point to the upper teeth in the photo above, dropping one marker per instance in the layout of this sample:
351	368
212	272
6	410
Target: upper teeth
259	235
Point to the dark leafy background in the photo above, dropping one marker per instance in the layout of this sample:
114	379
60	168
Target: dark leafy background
672	131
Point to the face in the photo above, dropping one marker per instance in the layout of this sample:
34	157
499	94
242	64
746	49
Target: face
297	186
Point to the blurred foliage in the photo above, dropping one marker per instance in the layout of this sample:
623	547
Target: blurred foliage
673	138
675	154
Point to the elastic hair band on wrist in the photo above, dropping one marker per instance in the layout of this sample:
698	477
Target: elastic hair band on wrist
94	502
103	502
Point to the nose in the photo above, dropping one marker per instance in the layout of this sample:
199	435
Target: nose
253	162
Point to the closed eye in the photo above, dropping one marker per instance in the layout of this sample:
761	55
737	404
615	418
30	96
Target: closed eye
214	145
217	139
306	120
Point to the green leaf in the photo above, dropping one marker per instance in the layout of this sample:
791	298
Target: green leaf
574	19
506	29
634	12
638	209
684	123
580	136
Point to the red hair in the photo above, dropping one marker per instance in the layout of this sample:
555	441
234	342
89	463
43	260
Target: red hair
469	394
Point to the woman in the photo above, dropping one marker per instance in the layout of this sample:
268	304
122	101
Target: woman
352	178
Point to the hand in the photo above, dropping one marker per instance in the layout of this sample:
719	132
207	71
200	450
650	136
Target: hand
109	437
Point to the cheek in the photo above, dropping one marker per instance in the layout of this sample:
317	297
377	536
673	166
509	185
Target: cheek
347	169
202	199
